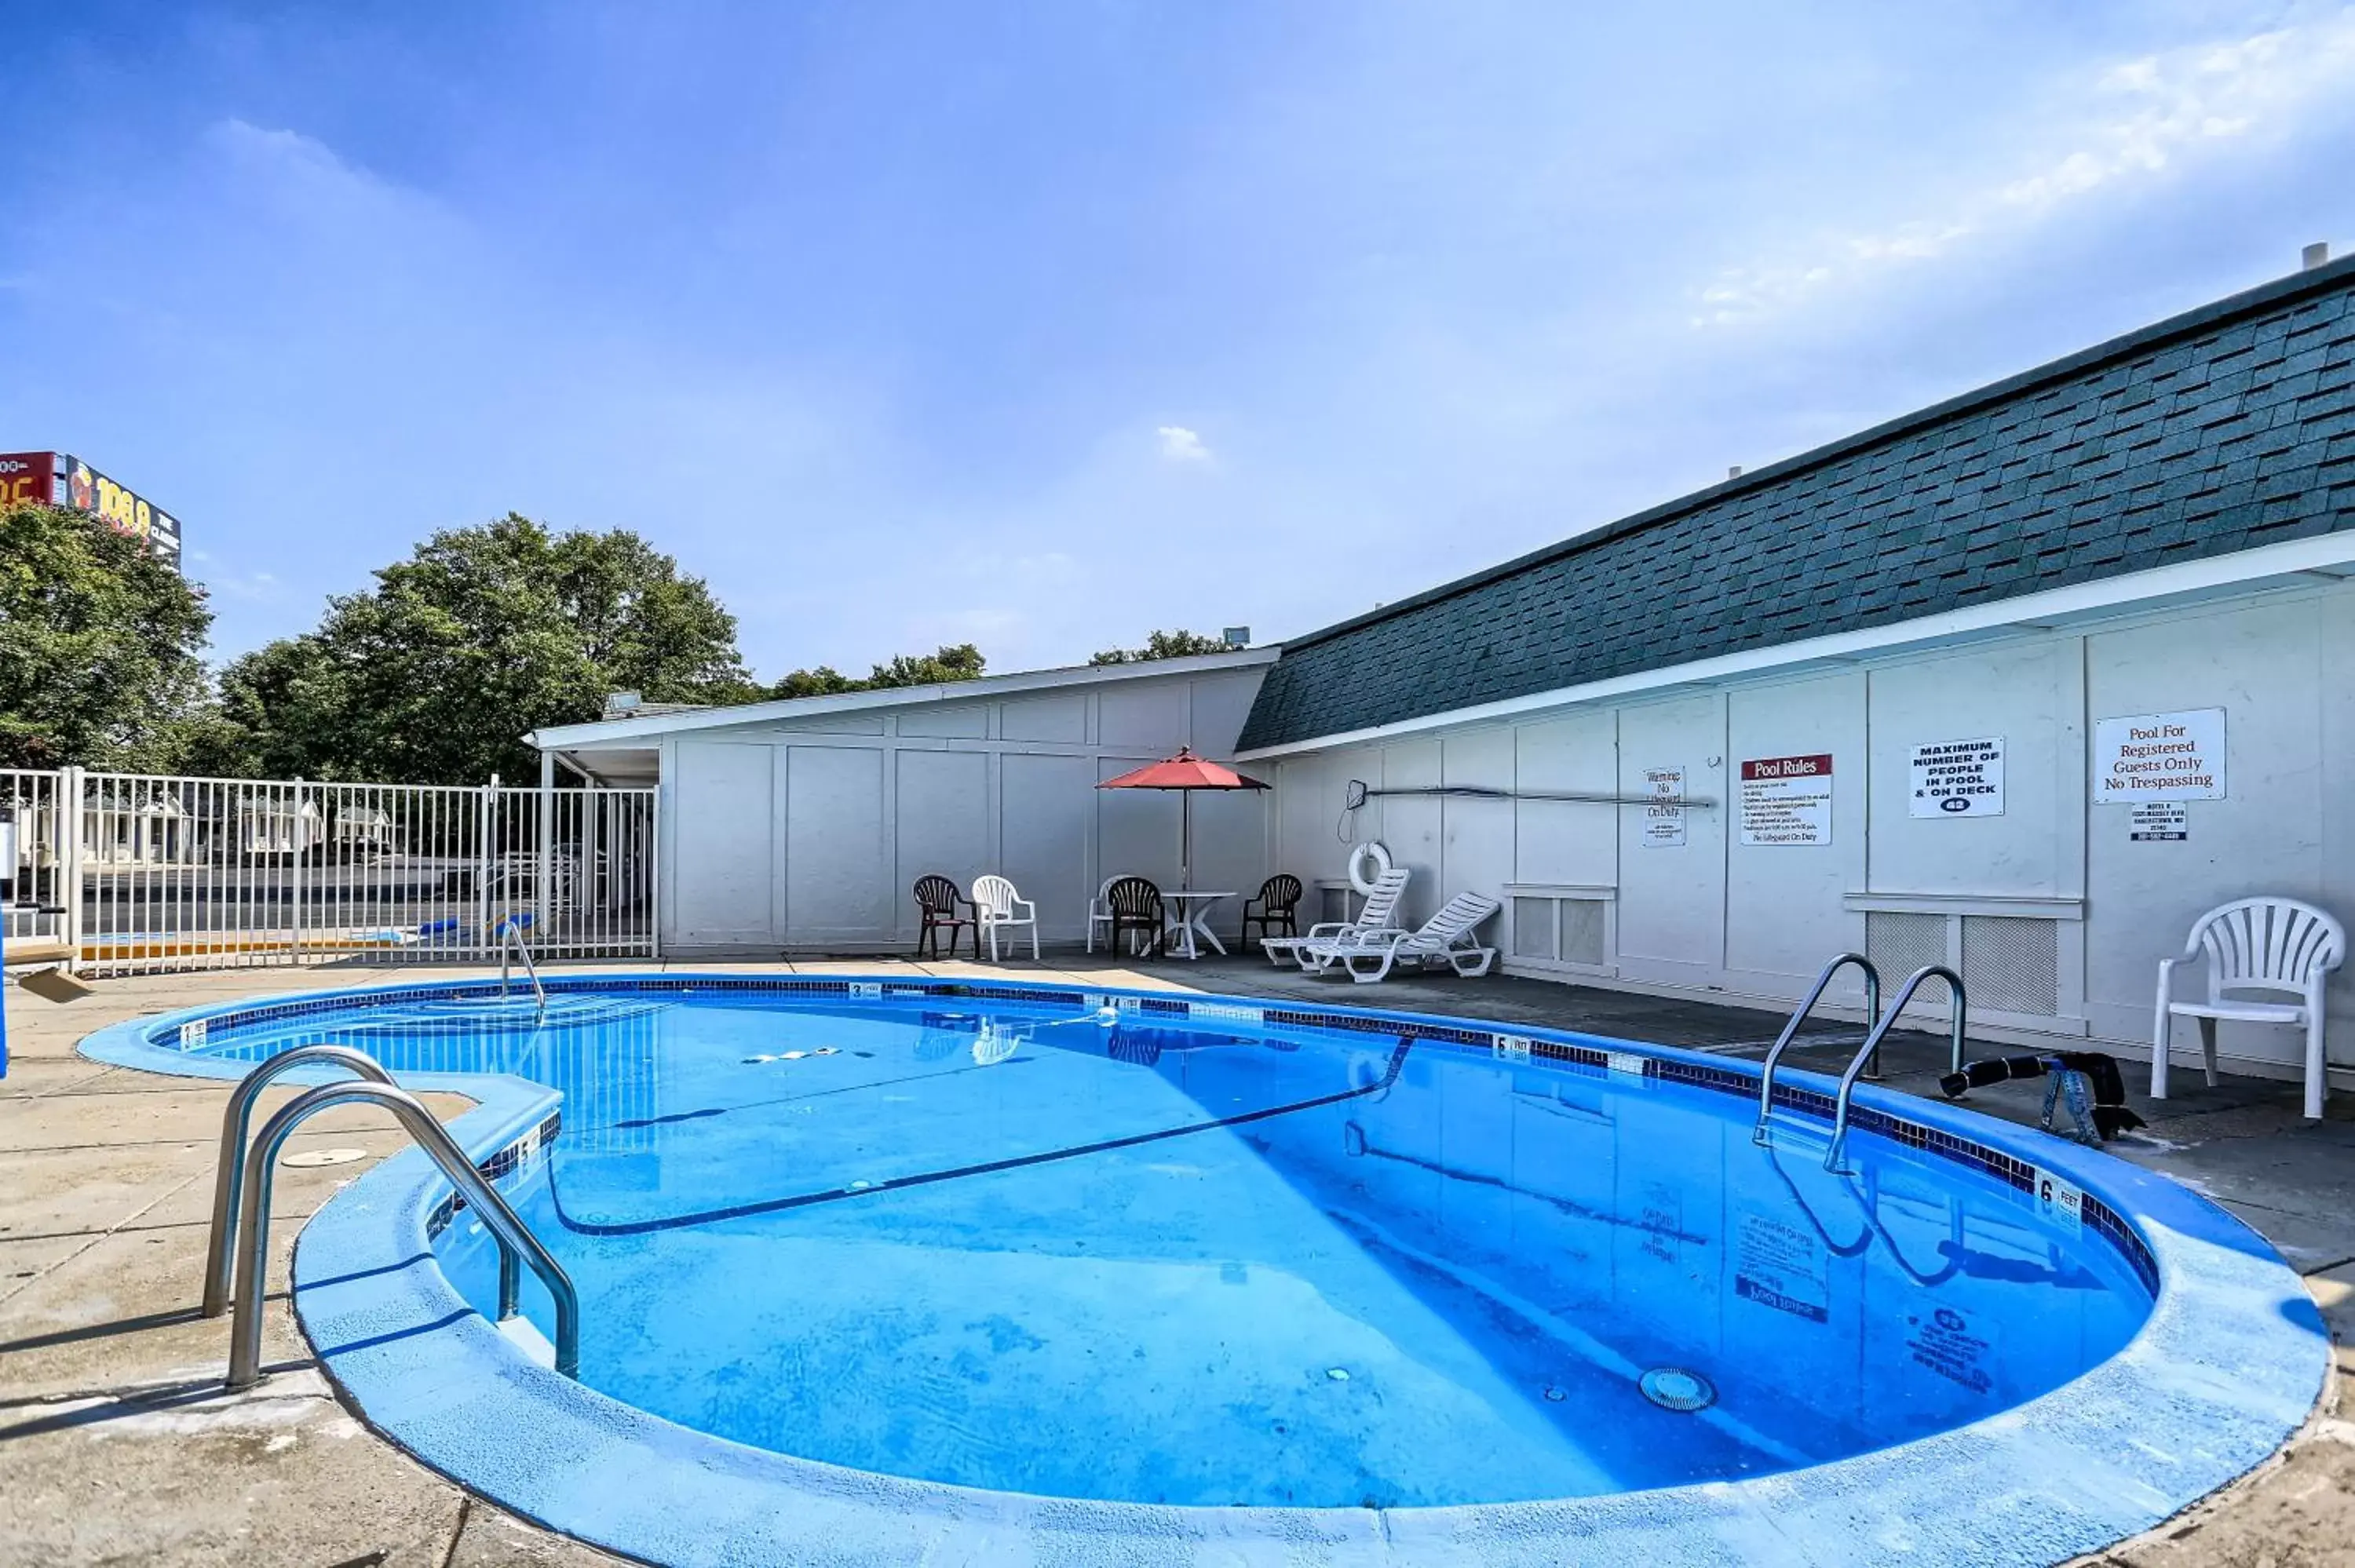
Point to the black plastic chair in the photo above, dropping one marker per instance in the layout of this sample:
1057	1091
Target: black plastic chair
936	906
1136	905
1278	906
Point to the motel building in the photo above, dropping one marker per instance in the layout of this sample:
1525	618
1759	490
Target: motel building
2021	684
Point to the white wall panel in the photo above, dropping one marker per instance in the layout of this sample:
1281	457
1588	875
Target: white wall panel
1784	914
1046	815
944	817
2015	693
1672	901
1061	717
839	867
722	846
2263	666
1150	717
1566	842
962	723
1219	704
1476	835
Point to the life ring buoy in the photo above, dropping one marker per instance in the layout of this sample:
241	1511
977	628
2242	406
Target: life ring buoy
1369	849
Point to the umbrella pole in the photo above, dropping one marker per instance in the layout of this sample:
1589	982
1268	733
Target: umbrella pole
1186	841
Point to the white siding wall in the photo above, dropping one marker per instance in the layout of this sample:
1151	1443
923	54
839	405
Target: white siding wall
809	836
2056	916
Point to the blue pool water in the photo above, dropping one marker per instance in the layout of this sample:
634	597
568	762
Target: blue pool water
1210	1261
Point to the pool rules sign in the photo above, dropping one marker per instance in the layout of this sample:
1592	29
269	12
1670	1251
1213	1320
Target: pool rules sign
1787	799
1957	778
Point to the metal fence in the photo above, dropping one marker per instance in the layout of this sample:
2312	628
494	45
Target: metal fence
148	872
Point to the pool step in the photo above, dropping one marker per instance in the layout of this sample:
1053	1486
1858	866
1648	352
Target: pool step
516	1013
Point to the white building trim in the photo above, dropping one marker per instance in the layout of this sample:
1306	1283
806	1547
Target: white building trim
652	729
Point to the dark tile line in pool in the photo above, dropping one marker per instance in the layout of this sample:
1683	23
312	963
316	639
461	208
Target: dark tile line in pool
513	1160
2003	1166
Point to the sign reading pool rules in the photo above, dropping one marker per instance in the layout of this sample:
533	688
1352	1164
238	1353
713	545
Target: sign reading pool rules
1664	808
1957	778
2159	757
1787	799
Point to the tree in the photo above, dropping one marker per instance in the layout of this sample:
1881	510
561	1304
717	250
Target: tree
957	662
99	646
434	675
1162	645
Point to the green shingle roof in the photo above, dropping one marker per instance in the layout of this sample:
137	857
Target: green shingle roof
2228	428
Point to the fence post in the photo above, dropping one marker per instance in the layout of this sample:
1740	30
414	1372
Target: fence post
298	837
485	857
68	810
544	905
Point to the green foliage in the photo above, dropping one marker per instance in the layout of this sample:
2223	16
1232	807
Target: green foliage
99	647
959	662
1162	645
435	675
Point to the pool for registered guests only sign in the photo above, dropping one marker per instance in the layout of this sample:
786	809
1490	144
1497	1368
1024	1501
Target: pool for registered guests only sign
1787	799
2159	757
1957	778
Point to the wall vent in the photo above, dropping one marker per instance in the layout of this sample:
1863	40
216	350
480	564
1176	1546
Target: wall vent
2011	965
1581	931
1899	943
1533	929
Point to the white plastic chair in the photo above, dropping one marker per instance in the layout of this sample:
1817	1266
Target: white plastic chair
995	897
1378	913
1445	937
2266	945
1100	914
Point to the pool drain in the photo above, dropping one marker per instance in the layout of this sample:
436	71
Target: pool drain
1673	1388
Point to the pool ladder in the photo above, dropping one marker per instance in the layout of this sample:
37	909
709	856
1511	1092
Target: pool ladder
241	1203
1866	1059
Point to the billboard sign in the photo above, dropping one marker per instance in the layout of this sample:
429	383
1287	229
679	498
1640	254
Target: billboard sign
55	479
27	476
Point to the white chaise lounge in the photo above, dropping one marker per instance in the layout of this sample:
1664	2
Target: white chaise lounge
1379	914
1446	938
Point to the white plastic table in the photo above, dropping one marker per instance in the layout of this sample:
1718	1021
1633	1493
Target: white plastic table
1189	918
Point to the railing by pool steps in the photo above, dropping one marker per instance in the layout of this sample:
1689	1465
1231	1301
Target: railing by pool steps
248	1236
1867	1060
511	942
1835	1157
229	1175
1799	1016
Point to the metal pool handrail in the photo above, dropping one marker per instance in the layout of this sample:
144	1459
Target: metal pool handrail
1834	1155
515	1238
229	1178
1791	1030
511	941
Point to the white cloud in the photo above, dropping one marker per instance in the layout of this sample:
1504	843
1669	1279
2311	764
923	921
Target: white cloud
2136	121
1179	444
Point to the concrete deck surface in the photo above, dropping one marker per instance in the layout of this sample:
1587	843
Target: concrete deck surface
116	1446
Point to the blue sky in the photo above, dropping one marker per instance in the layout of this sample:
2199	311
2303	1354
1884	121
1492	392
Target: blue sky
1044	324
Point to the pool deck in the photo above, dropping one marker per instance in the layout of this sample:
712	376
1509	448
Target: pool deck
116	1446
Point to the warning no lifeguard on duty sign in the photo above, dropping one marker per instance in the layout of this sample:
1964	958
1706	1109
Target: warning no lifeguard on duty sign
1958	778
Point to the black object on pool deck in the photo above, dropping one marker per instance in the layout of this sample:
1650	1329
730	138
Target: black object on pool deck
2089	1080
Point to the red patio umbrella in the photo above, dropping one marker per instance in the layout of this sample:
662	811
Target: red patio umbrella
1186	773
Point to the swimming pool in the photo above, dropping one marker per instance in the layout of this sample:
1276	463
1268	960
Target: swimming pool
1265	1269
